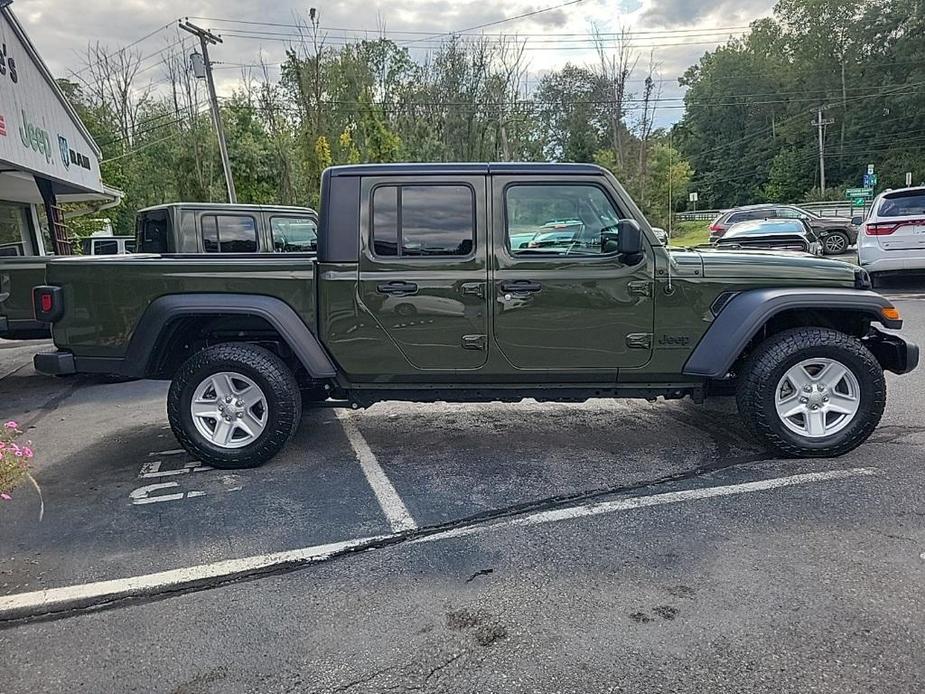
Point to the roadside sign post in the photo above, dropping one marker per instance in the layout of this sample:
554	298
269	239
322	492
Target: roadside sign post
908	178
693	198
859	197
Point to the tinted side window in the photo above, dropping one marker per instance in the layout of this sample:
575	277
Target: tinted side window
423	220
566	220
293	234
210	234
437	220
385	220
105	248
153	232
229	234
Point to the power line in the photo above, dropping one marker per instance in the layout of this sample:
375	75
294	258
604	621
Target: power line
505	20
146	145
361	30
177	116
124	48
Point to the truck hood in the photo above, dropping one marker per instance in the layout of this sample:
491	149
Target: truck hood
715	263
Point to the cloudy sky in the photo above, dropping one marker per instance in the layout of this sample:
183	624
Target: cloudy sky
678	31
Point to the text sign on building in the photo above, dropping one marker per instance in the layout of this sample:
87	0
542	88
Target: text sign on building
38	134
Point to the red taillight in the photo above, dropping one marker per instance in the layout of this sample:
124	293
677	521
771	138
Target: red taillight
715	227
47	303
880	229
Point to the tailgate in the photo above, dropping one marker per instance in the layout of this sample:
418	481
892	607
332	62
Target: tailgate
908	234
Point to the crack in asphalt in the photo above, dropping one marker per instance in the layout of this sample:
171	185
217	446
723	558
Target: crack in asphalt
54	402
544	504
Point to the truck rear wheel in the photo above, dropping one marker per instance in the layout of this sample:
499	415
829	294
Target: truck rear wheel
234	405
812	392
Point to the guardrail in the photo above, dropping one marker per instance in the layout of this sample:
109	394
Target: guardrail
830	208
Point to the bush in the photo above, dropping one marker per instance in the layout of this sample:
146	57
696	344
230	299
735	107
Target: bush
14	459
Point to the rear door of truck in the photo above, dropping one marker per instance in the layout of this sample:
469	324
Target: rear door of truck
423	268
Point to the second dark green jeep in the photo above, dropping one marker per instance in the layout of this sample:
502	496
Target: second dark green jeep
417	293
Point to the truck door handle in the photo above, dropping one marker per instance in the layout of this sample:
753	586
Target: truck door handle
520	286
397	287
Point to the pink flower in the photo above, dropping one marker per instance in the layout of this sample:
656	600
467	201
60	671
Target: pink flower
5	496
16	449
26	451
11	425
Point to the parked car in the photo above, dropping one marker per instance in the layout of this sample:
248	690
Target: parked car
198	227
772	234
835	233
243	337
108	245
892	238
172	228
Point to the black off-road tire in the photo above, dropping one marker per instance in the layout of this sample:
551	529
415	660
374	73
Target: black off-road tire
766	366
268	371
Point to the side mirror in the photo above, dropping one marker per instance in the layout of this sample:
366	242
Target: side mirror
661	235
629	240
857	220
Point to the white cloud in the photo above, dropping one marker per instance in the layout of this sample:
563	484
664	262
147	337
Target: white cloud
61	30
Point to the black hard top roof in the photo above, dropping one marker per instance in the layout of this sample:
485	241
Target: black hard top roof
510	168
229	207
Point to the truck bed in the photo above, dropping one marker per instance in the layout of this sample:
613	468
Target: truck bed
18	275
110	293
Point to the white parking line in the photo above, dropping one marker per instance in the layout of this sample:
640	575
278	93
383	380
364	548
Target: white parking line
392	506
92	593
87	594
635	502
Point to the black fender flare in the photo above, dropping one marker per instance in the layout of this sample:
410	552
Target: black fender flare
163	310
742	316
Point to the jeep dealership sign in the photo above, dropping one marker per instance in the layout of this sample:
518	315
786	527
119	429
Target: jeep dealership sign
40	134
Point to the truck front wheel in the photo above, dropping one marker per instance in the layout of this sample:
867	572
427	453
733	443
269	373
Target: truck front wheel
812	392
234	405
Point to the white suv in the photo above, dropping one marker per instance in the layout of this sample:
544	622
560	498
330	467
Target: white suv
892	237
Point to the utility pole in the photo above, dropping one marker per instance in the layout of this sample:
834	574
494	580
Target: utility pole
820	123
205	70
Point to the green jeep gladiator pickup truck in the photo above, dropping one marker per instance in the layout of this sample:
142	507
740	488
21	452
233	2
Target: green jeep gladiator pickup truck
416	293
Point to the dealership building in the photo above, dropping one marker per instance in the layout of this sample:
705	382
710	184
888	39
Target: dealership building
48	160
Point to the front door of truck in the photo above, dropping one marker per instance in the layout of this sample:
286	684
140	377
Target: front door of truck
423	271
563	299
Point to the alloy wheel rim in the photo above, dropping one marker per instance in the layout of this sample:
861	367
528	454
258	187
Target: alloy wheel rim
817	397
835	243
229	409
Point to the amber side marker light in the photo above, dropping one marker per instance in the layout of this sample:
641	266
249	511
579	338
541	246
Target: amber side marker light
890	313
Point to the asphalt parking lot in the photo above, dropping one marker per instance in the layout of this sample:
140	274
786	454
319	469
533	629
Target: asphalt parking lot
606	546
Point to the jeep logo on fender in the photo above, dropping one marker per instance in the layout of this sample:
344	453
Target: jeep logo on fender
673	341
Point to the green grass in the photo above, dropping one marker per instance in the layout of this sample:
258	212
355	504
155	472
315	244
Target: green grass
690	233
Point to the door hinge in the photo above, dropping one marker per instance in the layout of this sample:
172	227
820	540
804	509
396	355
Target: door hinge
474	288
473	342
639	340
640	288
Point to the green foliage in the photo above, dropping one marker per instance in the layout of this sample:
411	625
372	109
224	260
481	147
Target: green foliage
667	170
368	101
747	127
693	233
